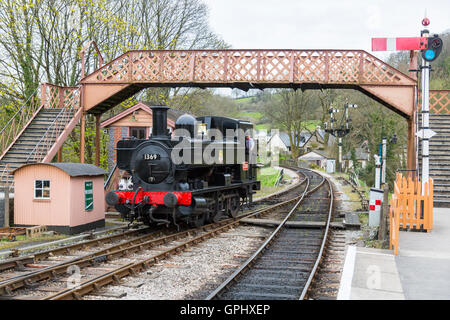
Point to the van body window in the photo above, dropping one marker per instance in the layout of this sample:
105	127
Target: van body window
42	189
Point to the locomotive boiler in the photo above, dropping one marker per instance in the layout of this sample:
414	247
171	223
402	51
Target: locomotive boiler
203	171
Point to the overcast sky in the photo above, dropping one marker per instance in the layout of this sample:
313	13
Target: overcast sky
322	24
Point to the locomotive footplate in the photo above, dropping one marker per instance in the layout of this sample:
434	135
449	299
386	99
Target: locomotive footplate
256	186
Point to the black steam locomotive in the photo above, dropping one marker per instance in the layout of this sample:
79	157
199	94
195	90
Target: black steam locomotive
196	175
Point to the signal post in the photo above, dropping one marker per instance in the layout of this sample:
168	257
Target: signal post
430	48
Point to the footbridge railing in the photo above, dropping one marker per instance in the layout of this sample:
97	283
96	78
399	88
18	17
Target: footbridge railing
68	100
440	101
256	66
20	119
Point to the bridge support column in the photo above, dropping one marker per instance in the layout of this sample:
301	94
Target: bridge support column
97	139
60	157
82	137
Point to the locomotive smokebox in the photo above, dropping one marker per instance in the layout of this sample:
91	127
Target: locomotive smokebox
160	121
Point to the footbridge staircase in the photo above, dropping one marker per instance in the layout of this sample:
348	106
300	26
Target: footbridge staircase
37	130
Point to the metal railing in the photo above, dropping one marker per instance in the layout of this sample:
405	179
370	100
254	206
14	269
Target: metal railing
110	178
18	121
55	129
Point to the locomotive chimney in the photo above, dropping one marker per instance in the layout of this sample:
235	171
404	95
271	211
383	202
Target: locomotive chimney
159	121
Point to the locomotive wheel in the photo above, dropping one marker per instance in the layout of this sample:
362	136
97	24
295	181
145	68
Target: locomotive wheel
198	221
216	217
233	206
216	209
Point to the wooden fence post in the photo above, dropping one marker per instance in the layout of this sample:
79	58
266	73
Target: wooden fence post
382	231
6	199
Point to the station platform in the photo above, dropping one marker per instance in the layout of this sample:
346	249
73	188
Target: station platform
420	271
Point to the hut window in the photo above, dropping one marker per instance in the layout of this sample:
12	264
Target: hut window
137	132
42	189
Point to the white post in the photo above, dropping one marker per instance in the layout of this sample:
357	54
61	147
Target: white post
383	172
425	121
346	117
340	154
377	171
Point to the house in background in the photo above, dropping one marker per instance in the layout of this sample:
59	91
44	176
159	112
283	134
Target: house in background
280	141
316	158
133	122
362	156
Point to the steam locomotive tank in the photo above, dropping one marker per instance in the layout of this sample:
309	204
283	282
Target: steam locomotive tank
193	190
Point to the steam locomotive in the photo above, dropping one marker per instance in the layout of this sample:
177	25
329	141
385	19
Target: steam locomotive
198	174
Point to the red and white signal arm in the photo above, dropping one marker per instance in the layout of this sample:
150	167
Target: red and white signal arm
396	44
245	166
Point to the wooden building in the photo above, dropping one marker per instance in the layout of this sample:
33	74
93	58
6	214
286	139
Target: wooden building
65	197
133	122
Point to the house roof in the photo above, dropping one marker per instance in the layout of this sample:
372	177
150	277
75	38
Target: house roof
172	114
72	169
321	133
312	155
284	137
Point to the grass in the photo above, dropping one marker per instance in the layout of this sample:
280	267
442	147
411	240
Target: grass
348	190
268	176
243	100
311	125
263	126
250	115
22	239
363	218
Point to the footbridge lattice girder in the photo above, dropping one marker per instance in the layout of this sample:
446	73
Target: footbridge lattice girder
245	69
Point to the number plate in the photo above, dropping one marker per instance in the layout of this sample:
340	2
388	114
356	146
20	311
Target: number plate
151	156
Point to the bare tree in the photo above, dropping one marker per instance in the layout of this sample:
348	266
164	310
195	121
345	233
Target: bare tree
289	111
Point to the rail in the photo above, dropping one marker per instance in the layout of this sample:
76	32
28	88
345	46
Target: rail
7	286
250	261
322	246
132	268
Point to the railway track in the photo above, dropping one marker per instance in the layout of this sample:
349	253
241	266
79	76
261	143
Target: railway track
286	263
145	250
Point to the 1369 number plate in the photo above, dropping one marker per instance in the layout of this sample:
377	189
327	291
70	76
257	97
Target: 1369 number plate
151	156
